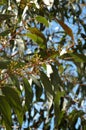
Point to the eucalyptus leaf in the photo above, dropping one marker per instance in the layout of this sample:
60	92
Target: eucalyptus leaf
5	109
15	81
28	93
37	36
42	20
67	29
13	98
46	83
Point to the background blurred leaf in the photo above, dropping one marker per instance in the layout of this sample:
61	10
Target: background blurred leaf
5	17
4	64
4	33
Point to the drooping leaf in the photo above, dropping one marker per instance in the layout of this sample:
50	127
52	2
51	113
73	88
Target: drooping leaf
28	93
12	96
37	36
66	28
58	113
46	83
37	39
55	79
15	81
39	92
34	79
74	57
43	20
78	57
38	86
74	116
6	111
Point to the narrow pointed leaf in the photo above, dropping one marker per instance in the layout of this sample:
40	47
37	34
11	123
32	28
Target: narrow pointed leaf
37	36
28	93
35	80
12	96
6	111
74	57
46	83
15	81
13	99
43	20
55	79
37	39
78	57
66	28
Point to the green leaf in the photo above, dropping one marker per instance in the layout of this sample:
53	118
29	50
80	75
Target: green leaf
55	79
13	99
6	111
66	28
74	57
37	39
38	86
46	83
78	57
43	20
28	93
15	81
12	96
58	113
34	79
39	92
37	36
74	116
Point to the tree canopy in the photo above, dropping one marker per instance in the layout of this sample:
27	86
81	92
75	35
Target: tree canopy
43	64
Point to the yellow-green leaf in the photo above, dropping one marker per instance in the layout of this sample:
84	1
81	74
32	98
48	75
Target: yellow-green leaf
37	32
43	20
37	37
78	57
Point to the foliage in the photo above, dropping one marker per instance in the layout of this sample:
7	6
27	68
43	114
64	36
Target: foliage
42	64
